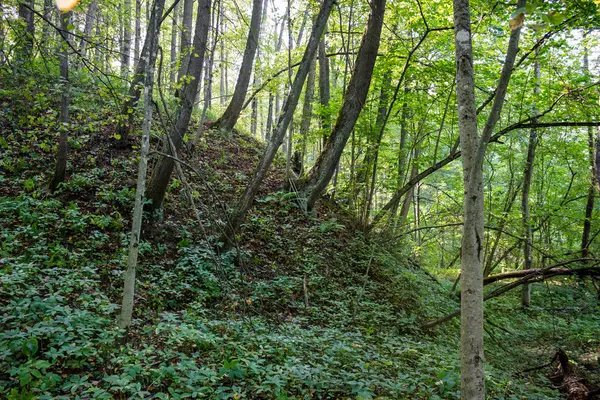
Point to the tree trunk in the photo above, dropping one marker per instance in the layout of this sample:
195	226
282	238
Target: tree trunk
472	367
174	32
162	171
269	118
232	113
223	62
307	109
527	178
138	31
411	192
208	75
354	99
372	155
126	51
25	31
47	32
89	24
97	55
324	90
136	225
2	36
186	37
152	37
589	206
244	203
61	157
402	156
473	153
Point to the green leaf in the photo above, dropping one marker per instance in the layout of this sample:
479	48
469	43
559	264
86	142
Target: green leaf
30	347
555	18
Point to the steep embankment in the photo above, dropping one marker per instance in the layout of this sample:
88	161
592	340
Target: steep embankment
309	308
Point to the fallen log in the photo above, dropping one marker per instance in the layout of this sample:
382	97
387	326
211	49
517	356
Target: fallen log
567	380
542	273
530	276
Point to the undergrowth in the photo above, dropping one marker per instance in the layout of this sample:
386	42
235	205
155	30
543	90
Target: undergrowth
309	309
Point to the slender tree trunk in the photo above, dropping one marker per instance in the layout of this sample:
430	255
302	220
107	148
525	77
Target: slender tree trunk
89	24
232	113
410	194
174	33
472	357
61	157
324	90
49	8
223	62
2	36
186	37
134	238
244	203
372	155
164	167
307	109
589	206
126	52
354	99
138	31
208	74
269	118
150	46
97	55
473	154
402	156
527	178
25	31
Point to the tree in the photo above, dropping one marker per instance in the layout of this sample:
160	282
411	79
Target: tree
527	177
233	110
151	47
157	187
134	238
126	45
354	99
473	149
186	37
61	157
238	216
25	30
90	18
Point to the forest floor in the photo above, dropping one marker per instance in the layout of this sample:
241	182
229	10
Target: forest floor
309	309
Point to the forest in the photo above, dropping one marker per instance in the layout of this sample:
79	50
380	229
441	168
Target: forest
276	199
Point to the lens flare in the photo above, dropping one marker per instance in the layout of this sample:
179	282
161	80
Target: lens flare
66	5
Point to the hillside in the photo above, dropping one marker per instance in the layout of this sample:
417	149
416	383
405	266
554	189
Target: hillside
307	308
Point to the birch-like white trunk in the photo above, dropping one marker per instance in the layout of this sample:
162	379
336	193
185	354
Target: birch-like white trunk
134	240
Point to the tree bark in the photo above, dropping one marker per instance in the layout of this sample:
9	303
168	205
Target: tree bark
589	206
354	99
136	226
324	90
25	31
150	46
138	31
307	109
527	178
90	17
61	157
186	37
164	167
174	32
239	214
208	74
473	153
126	52
232	113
